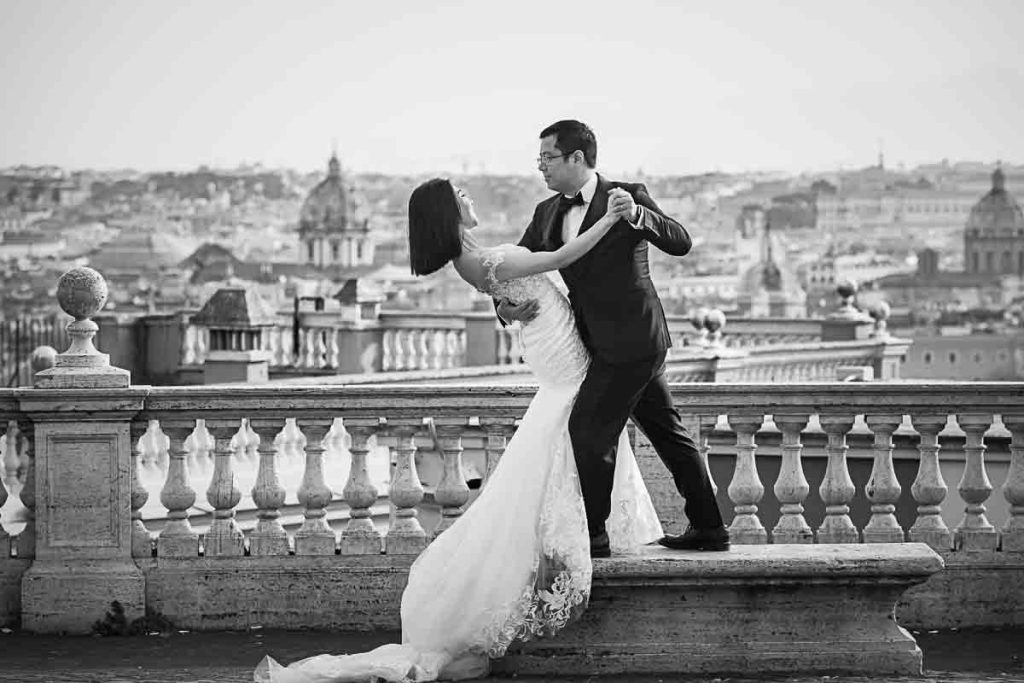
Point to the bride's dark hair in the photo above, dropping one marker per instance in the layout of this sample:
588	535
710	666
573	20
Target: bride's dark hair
434	218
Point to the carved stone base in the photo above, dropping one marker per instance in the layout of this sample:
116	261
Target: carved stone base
82	377
69	597
750	611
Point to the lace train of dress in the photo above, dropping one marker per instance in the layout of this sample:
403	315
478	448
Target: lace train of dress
516	565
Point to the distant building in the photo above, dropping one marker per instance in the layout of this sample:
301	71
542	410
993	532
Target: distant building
769	289
331	233
994	238
994	274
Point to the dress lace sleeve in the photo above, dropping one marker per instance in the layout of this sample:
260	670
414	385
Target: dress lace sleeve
491	259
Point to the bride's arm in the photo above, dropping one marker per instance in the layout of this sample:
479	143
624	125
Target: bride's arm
520	263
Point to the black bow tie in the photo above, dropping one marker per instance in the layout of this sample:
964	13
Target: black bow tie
566	203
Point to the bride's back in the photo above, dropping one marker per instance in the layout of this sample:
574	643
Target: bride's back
552	345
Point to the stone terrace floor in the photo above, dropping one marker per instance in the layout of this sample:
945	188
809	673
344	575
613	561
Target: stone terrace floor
229	657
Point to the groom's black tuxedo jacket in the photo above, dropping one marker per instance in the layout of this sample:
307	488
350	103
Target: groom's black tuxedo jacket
618	312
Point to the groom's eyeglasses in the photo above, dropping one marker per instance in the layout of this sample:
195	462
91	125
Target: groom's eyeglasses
545	159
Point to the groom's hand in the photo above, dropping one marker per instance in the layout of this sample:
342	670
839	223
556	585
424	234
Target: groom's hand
524	312
621	203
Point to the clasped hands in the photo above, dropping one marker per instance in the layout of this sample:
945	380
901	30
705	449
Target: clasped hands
621	204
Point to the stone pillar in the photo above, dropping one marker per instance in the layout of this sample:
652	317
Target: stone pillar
847	323
481	338
81	410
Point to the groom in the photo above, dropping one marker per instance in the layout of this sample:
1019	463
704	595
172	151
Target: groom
622	323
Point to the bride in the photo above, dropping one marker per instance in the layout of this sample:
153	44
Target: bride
516	565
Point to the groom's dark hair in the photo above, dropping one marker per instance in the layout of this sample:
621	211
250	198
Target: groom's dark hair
434	235
571	135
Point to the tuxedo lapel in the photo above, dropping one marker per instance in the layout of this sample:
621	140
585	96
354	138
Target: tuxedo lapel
598	205
552	232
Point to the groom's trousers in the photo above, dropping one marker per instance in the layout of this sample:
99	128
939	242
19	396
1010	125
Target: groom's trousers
609	395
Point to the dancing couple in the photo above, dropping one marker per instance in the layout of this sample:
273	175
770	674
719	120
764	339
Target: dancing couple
517	564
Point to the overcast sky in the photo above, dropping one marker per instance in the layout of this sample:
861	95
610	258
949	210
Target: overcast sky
418	86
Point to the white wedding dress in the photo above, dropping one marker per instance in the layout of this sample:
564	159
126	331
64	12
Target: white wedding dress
516	565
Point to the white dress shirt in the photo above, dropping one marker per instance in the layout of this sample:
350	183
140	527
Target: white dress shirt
573	218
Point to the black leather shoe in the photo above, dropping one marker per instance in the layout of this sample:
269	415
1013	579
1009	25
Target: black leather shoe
698	539
599	546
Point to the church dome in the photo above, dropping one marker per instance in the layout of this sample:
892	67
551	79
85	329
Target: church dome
997	212
331	206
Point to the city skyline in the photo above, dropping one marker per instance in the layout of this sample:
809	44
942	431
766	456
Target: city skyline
406	88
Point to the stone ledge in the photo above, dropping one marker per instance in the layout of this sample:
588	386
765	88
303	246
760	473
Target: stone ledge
782	609
345	593
783	561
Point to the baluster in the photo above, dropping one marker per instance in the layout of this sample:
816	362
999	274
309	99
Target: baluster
975	532
177	538
224	538
837	489
272	339
406	535
412	338
745	489
360	536
451	345
26	542
287	352
333	350
791	488
517	346
320	347
883	489
5	539
503	346
401	352
1013	489
425	350
202	344
707	422
499	430
314	537
452	492
929	489
187	354
269	537
436	348
142	544
309	358
387	362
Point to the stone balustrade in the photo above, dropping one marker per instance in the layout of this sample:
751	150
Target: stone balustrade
252	432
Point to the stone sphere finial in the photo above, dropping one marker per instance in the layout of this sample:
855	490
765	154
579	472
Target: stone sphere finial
43	358
698	317
81	292
880	313
847	289
714	323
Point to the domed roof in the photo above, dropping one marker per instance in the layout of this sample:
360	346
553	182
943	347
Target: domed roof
997	211
330	206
